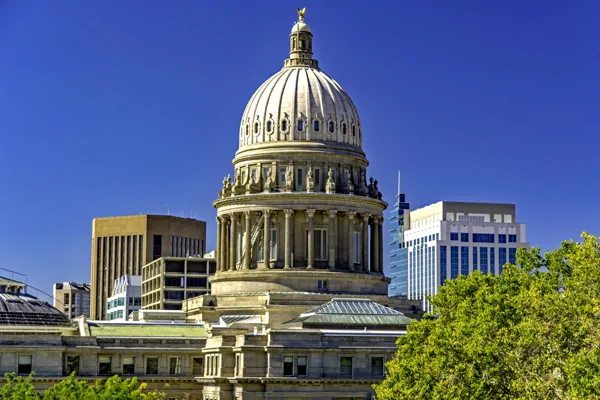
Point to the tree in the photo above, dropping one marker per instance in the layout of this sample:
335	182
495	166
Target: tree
531	333
17	388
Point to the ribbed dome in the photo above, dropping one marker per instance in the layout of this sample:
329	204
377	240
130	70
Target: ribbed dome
300	94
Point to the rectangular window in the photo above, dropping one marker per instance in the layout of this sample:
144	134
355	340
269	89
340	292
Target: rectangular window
282	177
198	366
464	237
175	366
346	367
512	238
483	260
288	366
72	365
464	260
300	179
104	367
376	366
253	174
128	365
475	268
483	237
443	264
453	235
501	258
492	260
501	238
273	249
157	248
512	255
356	237
453	262
24	367
322	284
66	299
319	244
152	366
141	256
317	176
301	366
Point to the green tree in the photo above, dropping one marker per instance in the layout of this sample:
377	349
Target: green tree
17	388
531	333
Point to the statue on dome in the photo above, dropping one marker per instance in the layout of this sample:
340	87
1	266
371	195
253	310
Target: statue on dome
371	188
376	189
301	13
362	184
330	185
226	192
350	185
310	181
269	182
238	186
289	179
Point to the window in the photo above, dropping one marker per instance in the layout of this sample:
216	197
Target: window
66	299
300	124
483	237
281	176
269	126
512	255
198	366
331	127
483	260
512	238
157	248
501	238
343	128
376	366
137	301
175	366
316	126
284	125
288	366
453	262
130	301
72	365
464	260
346	368
301	366
319	244
475	268
356	236
128	365
322	284
453	235
317	176
104	367
273	250
238	365
152	366
353	130
300	179
443	264
247	130
256	127
464	237
492	260
24	367
501	258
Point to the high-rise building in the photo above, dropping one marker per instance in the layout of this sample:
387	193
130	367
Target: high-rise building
72	298
398	252
122	245
448	239
126	297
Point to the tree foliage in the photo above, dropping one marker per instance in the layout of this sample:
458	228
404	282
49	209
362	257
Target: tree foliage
531	333
19	388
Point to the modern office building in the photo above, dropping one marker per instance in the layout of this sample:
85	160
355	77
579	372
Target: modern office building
448	239
122	245
398	252
168	281
72	298
126	297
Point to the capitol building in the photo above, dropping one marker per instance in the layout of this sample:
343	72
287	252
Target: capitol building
298	306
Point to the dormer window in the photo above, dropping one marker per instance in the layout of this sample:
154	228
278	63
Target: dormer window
300	124
343	128
331	127
316	125
269	126
284	125
256	127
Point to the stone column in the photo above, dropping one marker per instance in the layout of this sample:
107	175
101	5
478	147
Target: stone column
288	238
219	250
332	239
311	243
267	240
351	215
233	246
225	226
247	235
375	248
365	242
380	268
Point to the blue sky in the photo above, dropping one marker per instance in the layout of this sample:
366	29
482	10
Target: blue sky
115	108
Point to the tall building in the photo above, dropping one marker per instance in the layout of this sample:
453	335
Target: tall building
73	298
122	245
126	297
398	252
448	239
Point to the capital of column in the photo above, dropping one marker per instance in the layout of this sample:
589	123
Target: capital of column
310	212
288	212
248	214
378	219
219	219
330	214
351	215
365	217
267	213
235	217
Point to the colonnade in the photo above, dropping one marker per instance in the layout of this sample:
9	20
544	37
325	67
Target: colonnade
371	254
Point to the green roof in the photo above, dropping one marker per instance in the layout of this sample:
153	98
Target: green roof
146	330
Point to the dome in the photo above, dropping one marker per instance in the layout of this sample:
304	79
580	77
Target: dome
300	26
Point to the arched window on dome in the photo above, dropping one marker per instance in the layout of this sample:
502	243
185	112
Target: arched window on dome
316	125
343	128
269	126
247	130
284	125
331	127
300	124
256	127
353	130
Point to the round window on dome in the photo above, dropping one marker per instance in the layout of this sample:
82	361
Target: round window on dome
343	128
316	125
331	127
300	124
284	125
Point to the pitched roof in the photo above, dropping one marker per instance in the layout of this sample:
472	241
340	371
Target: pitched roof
24	309
145	329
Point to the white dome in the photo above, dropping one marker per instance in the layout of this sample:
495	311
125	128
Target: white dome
301	26
300	94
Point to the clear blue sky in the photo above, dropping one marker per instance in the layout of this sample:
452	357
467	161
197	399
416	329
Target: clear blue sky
115	108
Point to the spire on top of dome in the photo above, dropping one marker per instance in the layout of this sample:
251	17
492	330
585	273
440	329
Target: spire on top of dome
301	44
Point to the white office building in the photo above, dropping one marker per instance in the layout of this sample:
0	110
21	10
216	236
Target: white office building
126	298
448	239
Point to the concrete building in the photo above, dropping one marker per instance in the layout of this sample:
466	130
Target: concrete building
448	239
122	245
126	297
398	251
73	298
168	281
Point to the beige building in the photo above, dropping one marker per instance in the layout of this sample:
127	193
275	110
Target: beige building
168	281
73	298
122	245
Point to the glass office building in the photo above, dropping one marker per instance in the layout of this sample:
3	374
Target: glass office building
398	251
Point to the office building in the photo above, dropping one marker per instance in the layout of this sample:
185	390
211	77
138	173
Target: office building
122	245
448	239
168	281
126	297
398	252
73	298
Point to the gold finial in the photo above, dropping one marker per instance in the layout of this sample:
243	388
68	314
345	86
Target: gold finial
301	13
